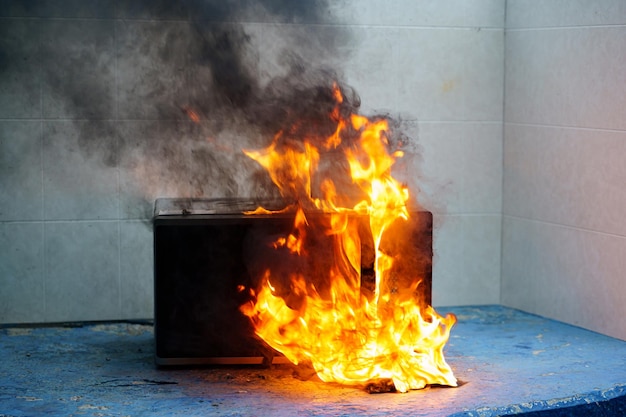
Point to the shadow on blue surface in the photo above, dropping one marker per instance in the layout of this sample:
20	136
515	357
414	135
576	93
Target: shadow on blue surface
608	408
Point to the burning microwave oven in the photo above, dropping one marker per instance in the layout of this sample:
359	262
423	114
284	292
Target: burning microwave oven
202	259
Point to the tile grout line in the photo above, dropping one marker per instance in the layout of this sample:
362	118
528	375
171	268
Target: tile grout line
503	132
78	221
405	26
564	226
44	264
566	27
119	197
581	128
119	269
44	257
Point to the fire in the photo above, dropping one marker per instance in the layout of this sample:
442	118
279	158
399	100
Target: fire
322	316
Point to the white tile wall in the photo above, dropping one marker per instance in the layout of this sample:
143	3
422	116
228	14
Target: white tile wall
75	242
564	229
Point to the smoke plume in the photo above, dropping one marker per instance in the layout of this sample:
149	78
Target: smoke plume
182	87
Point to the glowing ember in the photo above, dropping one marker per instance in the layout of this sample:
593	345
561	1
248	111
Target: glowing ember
348	335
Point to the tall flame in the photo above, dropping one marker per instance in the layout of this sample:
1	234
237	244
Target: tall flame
348	335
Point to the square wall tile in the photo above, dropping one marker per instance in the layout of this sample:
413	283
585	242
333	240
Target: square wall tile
21	273
140	166
155	162
447	13
97	9
482	176
571	77
368	64
152	67
460	167
430	73
485	13
58	8
20	69
559	13
179	159
364	12
79	183
82	271
567	176
483	83
466	264
520	253
565	273
448	73
20	171
154	9
293	12
19	8
276	57
78	69
137	270
305	12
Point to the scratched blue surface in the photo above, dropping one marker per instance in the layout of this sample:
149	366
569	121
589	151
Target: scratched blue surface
508	362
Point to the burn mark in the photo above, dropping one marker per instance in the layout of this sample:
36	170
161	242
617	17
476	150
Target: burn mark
380	386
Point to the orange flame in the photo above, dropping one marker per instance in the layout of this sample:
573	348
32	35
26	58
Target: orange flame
347	336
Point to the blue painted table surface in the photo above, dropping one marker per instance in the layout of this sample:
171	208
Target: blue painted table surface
507	361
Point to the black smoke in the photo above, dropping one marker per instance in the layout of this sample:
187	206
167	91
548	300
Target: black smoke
169	92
